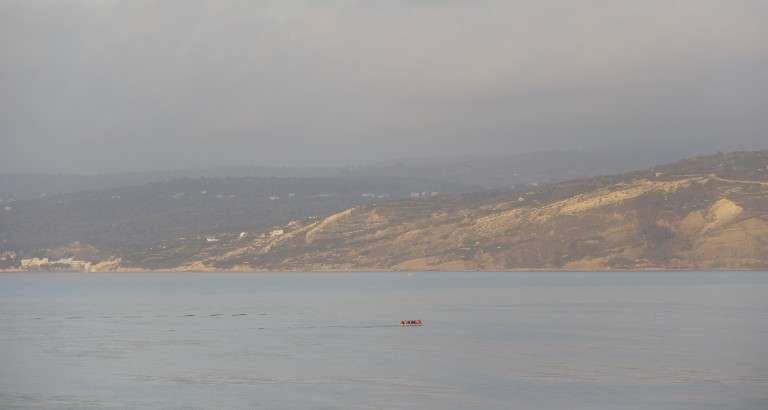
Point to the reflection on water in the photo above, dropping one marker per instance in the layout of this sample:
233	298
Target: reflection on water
287	341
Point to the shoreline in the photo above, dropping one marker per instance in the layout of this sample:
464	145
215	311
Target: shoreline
369	270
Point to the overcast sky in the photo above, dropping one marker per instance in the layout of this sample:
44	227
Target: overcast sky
109	85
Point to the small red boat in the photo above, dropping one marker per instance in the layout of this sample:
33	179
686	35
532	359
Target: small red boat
416	322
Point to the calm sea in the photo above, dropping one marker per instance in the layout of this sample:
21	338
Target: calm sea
329	341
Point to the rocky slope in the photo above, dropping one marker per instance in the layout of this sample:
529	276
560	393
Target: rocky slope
702	213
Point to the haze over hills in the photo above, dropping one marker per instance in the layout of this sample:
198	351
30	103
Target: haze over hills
143	215
510	171
701	213
478	172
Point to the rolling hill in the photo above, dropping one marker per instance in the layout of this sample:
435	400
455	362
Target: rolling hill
700	213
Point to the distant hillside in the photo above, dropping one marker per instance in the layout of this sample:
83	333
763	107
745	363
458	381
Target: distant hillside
146	214
495	172
510	171
17	187
700	213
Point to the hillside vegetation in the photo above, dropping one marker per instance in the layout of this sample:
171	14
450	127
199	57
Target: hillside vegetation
701	213
143	215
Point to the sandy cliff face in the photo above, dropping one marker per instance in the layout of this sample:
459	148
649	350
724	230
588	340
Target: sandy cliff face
671	219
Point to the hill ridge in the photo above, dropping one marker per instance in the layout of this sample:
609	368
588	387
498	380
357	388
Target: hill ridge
699	213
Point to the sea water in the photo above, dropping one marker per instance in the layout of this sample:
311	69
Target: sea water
648	340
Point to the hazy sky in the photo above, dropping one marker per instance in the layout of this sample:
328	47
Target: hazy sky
109	85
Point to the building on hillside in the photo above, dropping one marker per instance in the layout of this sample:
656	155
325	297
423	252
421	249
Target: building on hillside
276	232
424	195
33	263
59	264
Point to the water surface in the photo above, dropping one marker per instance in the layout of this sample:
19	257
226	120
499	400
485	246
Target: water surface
326	341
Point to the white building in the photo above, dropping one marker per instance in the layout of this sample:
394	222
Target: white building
33	263
276	232
64	263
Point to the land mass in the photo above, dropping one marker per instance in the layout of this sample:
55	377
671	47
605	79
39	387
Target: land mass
708	213
494	172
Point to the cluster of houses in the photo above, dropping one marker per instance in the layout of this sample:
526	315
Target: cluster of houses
273	233
8	256
372	195
58	264
230	196
423	195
